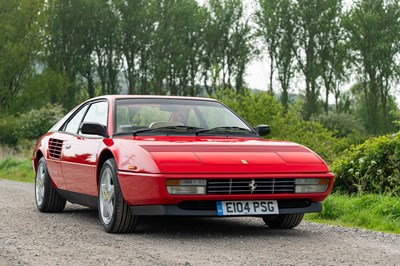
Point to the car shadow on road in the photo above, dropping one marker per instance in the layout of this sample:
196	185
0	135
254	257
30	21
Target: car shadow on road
190	227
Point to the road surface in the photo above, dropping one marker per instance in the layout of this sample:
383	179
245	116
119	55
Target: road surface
75	237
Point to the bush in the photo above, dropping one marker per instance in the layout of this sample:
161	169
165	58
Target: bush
35	123
29	125
345	125
372	167
291	126
9	130
261	108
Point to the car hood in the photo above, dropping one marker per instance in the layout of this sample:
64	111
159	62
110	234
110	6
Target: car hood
233	156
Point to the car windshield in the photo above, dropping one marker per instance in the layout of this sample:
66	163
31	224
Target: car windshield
176	116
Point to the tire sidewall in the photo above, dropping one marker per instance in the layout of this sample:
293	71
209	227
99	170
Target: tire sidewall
109	164
42	163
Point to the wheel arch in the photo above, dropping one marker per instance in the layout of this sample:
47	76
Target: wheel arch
38	156
104	156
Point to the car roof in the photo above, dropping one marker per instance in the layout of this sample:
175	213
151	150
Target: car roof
115	97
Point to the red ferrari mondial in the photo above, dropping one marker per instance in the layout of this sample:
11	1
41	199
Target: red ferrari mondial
133	156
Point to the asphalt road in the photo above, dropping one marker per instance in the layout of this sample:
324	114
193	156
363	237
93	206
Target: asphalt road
75	237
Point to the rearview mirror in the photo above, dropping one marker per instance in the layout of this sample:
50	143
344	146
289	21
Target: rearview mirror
262	130
93	129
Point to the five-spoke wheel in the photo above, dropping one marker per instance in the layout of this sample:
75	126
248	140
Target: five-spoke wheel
46	197
114	213
106	196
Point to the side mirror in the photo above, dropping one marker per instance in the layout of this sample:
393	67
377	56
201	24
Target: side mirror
263	130
93	129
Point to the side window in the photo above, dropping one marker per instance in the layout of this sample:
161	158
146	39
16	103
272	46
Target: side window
73	125
97	113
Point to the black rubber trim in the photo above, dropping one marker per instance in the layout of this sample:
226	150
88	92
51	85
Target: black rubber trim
82	199
174	210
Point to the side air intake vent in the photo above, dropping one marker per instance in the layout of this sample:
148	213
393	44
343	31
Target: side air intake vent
55	146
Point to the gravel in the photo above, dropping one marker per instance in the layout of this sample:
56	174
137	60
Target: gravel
75	237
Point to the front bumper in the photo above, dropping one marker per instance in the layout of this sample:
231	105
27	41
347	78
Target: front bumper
142	189
206	209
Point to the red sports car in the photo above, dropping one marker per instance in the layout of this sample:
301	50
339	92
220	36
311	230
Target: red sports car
131	156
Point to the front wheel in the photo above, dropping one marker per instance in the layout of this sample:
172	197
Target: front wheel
283	221
114	213
46	197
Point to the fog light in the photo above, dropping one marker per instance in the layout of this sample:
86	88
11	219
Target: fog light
186	186
311	185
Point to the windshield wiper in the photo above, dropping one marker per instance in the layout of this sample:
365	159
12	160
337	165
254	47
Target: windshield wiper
135	132
225	129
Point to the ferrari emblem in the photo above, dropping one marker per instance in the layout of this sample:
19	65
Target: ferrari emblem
252	186
244	162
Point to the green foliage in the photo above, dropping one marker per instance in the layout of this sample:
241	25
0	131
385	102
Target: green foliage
47	87
20	41
372	28
372	167
8	130
345	126
309	133
35	123
255	107
376	212
262	108
30	125
15	169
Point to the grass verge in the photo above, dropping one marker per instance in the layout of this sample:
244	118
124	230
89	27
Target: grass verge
16	169
374	212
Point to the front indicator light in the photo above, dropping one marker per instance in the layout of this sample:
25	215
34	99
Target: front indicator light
311	185
186	186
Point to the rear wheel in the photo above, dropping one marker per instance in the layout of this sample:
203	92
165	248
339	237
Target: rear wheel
114	213
283	221
46	197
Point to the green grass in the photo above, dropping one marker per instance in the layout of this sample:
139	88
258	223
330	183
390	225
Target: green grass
16	169
374	212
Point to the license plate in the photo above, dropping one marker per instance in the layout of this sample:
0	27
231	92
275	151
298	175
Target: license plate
248	207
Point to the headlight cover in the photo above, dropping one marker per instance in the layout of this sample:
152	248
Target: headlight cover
311	185
186	186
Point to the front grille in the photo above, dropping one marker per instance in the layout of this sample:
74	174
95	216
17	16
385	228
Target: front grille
250	186
55	146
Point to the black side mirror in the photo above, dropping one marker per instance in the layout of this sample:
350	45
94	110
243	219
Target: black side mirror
93	129
263	130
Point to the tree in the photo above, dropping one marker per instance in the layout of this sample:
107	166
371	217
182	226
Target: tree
373	28
21	23
228	46
308	24
137	25
275	25
107	48
177	46
332	51
63	45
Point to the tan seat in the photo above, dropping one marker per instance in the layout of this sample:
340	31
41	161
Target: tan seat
160	124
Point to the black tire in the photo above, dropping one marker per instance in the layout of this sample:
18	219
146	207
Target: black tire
283	221
121	220
46	197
